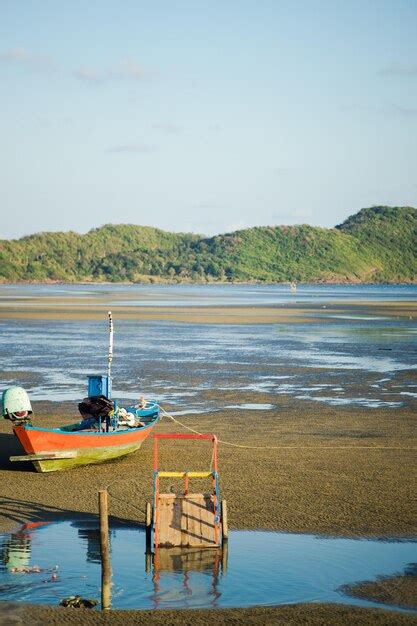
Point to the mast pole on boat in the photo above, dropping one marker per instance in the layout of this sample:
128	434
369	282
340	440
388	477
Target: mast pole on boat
110	358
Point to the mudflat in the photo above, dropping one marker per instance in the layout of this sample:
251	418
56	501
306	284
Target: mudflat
398	590
308	614
299	467
94	308
336	472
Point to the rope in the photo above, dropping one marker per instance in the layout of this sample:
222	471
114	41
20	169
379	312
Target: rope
133	506
238	445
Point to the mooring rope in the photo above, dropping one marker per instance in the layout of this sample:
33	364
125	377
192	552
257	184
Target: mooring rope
286	447
244	446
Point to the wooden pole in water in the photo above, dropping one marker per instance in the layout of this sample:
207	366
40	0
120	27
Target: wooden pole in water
225	556
104	549
148	526
225	527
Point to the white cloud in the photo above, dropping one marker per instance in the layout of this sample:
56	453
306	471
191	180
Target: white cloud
131	147
168	128
22	57
403	111
399	69
88	73
19	55
127	70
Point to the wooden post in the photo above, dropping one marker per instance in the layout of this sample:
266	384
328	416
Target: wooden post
148	526
225	527
225	556
104	549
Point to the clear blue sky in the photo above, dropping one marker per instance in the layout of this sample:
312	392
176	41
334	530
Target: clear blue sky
204	116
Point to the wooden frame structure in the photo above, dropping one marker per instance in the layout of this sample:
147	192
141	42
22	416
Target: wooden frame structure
187	520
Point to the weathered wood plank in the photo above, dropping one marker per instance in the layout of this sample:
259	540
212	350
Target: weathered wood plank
162	520
194	523
183	502
69	454
186	521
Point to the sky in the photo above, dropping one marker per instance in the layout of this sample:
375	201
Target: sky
204	116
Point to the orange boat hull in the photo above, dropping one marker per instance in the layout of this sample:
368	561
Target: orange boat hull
54	449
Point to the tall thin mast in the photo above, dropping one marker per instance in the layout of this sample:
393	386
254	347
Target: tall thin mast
110	344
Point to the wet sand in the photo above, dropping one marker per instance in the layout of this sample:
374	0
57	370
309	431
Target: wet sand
49	308
398	590
327	470
309	615
335	471
344	472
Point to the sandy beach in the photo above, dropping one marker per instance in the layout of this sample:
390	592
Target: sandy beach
339	471
94	308
340	478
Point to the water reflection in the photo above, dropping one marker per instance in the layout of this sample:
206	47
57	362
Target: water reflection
89	534
185	588
15	552
261	568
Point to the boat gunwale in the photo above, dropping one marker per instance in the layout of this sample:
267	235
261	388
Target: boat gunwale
59	431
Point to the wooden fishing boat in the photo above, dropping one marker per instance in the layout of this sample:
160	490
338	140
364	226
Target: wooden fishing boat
106	431
52	449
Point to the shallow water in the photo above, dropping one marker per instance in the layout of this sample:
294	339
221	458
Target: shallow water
262	568
200	295
177	364
351	360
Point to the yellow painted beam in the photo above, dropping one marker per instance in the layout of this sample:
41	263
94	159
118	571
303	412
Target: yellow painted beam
199	474
184	474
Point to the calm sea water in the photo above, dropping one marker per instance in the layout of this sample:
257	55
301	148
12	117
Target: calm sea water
354	360
262	568
189	295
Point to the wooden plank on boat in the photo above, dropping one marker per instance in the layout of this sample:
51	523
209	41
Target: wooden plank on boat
186	521
45	456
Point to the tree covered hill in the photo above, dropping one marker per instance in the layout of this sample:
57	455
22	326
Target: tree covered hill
378	244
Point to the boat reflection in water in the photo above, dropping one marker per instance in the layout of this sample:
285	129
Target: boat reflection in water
15	552
186	576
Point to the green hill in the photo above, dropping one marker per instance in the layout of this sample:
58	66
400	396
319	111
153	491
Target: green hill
390	235
378	244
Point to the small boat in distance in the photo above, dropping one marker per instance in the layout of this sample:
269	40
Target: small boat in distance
105	432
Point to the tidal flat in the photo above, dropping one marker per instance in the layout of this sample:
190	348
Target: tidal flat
331	386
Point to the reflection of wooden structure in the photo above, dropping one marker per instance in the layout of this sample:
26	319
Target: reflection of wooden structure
187	520
190	562
187	560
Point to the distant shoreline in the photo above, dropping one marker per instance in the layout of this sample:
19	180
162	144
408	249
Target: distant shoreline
159	281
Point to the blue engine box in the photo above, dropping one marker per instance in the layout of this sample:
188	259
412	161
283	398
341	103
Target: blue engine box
99	386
